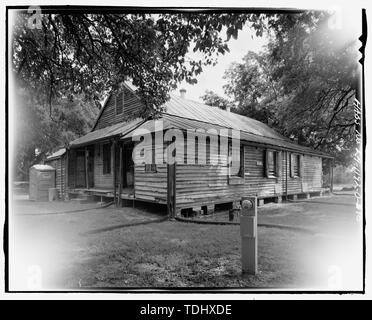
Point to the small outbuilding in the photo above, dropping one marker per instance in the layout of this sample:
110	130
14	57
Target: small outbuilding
42	178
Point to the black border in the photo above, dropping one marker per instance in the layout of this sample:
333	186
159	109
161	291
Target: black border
207	10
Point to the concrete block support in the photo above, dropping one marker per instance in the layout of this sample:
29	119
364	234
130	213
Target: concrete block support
209	209
278	200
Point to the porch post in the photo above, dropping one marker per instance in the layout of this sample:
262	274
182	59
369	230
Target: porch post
171	192
331	163
86	168
113	155
120	173
66	173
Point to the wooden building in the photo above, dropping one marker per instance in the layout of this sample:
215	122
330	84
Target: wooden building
270	167
58	161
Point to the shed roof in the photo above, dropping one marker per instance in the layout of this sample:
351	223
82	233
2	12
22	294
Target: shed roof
42	167
107	132
57	154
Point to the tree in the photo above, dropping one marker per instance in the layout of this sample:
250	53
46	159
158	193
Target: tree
303	84
92	54
67	66
36	129
213	99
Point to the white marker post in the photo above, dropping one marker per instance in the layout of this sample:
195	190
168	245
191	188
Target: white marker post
248	232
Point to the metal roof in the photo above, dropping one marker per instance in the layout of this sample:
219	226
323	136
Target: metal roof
176	122
106	133
186	114
197	111
57	154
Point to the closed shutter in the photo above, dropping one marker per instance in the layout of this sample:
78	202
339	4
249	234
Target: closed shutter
291	165
278	163
300	165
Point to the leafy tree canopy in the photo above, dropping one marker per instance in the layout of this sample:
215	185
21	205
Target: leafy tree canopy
92	54
303	83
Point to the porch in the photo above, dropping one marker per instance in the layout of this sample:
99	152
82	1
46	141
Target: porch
126	193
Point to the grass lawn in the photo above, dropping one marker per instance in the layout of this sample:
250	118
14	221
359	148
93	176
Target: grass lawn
82	250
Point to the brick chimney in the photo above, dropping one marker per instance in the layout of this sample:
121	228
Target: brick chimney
183	93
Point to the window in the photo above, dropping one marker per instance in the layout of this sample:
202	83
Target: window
151	167
106	154
196	150
272	164
241	168
240	173
295	162
119	102
208	150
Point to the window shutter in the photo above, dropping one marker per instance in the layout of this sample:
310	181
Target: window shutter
300	165
242	162
278	163
266	163
291	165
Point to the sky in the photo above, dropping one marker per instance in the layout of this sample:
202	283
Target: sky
212	76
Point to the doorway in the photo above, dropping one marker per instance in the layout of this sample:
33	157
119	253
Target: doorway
128	166
80	169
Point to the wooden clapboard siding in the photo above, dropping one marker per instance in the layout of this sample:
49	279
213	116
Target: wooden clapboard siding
101	180
59	165
131	107
204	183
61	176
312	173
255	180
71	168
151	185
294	184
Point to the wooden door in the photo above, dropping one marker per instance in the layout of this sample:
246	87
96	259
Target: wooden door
128	166
80	169
90	166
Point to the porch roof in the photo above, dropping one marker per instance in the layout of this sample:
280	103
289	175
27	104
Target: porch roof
115	130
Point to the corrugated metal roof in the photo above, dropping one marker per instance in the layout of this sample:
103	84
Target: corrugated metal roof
176	122
197	111
57	154
107	132
186	114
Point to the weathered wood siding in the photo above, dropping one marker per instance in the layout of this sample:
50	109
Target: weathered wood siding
131	106
60	178
256	183
294	184
312	173
104	181
151	186
203	184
